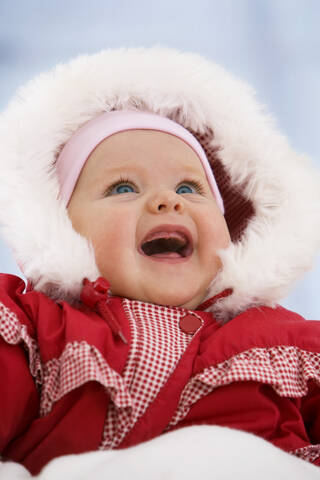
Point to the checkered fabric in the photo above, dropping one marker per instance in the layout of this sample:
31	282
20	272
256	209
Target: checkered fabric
157	346
286	369
14	333
80	363
309	453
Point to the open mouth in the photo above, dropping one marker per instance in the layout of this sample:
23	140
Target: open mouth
167	242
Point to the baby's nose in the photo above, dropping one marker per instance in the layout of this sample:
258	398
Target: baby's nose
166	201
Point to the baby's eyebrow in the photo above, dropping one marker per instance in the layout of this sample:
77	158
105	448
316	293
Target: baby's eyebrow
117	168
126	168
197	172
123	168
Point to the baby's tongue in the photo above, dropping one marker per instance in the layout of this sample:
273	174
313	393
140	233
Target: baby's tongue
166	255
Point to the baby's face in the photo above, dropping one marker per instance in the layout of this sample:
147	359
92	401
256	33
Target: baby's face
143	201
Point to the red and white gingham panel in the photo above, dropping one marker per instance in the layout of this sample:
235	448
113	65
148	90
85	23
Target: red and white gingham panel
80	363
157	346
309	453
13	332
286	369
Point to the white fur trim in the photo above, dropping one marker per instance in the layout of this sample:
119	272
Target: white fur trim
279	243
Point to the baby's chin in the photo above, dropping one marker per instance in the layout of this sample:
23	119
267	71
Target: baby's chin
172	294
172	299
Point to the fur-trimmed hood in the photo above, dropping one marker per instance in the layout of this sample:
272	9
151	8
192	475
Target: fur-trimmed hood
272	194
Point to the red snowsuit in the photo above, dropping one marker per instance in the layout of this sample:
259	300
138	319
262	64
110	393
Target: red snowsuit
69	385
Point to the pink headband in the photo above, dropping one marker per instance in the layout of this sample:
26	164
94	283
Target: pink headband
77	150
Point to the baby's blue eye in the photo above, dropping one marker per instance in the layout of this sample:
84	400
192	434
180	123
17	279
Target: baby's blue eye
122	188
184	189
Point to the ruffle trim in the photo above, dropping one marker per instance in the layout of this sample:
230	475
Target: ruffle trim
78	364
310	453
13	332
286	369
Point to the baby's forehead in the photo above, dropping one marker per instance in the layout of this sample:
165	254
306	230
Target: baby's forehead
141	150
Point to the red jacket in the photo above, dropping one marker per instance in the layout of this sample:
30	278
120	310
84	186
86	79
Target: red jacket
69	385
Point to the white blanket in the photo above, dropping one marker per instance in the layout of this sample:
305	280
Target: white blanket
200	452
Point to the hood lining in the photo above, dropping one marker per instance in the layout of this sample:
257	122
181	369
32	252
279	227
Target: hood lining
239	210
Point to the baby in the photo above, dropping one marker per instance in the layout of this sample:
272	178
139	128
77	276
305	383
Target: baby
144	201
158	224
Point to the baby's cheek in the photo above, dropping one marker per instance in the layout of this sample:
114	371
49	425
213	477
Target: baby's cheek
111	241
213	237
222	237
211	234
218	231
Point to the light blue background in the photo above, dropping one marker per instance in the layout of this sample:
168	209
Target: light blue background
272	44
